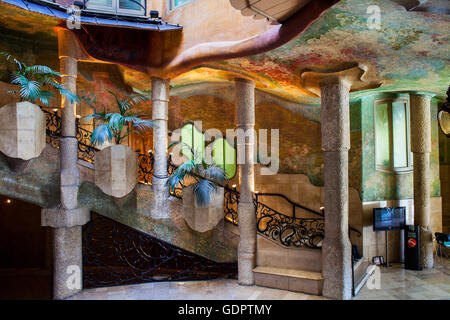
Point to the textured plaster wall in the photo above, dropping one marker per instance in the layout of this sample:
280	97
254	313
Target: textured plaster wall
377	185
39	184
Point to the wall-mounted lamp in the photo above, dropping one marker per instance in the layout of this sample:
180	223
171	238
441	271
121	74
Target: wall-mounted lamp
8	201
444	115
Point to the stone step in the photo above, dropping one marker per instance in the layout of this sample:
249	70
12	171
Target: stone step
289	279
273	254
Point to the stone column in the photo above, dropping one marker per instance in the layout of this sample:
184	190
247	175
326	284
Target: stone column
336	248
245	123
421	148
67	219
69	143
160	103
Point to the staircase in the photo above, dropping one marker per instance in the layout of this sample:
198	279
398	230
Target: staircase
294	269
288	248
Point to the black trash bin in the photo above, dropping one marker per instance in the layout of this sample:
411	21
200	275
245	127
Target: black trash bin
412	248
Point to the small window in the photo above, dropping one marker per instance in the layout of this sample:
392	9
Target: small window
223	154
392	142
173	4
130	7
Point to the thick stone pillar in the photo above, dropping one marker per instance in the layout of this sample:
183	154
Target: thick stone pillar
67	218
160	103
69	143
333	88
245	123
336	248
421	148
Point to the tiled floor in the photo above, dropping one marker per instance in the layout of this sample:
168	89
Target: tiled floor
192	290
396	283
401	284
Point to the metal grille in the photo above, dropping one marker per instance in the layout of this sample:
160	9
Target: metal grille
115	254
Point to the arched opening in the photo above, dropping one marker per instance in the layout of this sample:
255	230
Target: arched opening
25	250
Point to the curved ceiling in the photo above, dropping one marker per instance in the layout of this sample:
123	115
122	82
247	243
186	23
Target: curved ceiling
409	50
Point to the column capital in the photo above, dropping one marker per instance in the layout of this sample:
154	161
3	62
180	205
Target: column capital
245	80
160	89
424	94
353	78
335	80
68	46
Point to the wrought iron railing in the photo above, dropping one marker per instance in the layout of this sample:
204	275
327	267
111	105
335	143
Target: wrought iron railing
145	172
53	128
231	197
289	231
115	254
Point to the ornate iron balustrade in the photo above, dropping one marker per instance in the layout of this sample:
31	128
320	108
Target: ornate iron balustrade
53	128
145	172
86	152
115	254
289	231
231	197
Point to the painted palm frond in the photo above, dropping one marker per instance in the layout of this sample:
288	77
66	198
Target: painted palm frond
206	177
35	82
117	126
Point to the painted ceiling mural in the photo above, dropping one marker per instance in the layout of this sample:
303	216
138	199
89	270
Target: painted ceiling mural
408	52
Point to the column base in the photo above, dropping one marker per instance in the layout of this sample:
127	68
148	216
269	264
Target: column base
68	262
247	243
337	269
246	264
160	208
426	248
67	248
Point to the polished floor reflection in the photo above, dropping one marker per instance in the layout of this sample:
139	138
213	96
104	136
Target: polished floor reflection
400	284
396	284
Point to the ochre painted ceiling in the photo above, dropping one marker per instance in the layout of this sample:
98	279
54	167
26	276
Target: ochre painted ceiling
410	51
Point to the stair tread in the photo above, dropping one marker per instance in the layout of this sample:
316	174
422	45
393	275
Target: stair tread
290	273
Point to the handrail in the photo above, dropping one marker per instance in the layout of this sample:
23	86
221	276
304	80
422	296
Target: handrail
296	205
304	208
299	232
